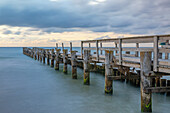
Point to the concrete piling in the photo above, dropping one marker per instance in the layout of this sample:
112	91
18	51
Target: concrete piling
86	64
108	71
146	98
74	64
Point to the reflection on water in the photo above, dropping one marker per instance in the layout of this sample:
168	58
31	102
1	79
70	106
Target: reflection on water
28	86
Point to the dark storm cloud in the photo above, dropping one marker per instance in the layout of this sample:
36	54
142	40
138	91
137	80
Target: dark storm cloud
134	16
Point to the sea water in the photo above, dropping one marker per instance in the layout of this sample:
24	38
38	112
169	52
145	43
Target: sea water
28	86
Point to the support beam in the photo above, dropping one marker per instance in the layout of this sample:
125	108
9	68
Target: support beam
57	58
74	64
52	57
146	98
65	57
108	71
86	67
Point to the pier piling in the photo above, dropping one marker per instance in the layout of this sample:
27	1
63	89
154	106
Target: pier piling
57	58
86	63
74	64
108	72
146	98
52	57
65	57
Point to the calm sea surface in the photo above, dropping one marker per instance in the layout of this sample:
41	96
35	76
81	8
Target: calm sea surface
28	86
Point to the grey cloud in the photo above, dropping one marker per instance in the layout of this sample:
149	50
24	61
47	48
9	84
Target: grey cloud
134	16
7	32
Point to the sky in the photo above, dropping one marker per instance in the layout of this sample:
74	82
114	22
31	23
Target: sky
46	22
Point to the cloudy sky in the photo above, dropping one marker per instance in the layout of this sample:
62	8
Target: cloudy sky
45	22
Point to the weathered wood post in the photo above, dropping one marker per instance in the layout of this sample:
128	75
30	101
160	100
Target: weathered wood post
86	63
57	58
108	72
81	49
136	52
101	52
41	55
38	54
65	57
120	51
74	64
62	46
145	65
48	56
156	51
56	45
70	47
52	57
44	55
97	51
168	85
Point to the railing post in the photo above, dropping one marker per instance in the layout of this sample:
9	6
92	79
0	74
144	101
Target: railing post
86	63
52	57
156	51
108	71
56	45
137	53
57	58
74	64
81	49
145	65
89	45
97	50
101	52
65	56
70	47
116	48
62	46
120	51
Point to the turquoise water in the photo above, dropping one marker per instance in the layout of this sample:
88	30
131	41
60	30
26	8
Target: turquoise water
28	86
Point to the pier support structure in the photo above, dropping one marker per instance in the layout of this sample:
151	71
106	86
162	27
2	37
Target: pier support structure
86	63
57	58
108	71
74	64
52	57
146	98
65	57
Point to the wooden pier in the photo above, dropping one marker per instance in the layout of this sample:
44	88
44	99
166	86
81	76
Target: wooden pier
140	65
